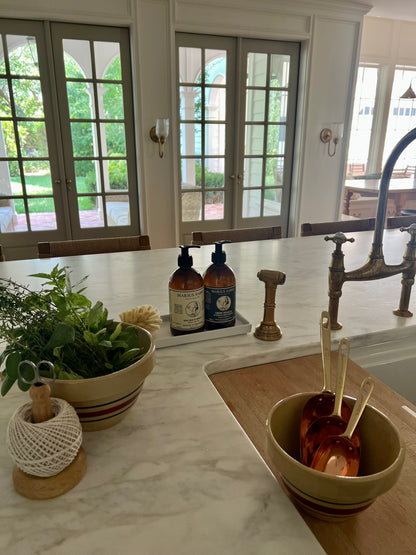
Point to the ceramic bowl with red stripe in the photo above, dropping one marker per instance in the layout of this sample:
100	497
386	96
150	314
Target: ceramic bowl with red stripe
103	401
329	497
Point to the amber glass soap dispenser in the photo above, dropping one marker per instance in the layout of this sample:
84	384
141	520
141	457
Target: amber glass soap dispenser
219	284
186	296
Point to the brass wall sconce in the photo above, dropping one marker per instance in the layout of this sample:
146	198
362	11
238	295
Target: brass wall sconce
326	137
159	133
335	135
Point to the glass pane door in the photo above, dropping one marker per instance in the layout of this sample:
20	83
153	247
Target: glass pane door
236	144
267	117
94	92
205	92
67	156
27	186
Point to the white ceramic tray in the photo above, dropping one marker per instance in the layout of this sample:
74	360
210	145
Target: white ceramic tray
164	338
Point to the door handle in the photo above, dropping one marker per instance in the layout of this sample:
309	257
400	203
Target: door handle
239	177
68	184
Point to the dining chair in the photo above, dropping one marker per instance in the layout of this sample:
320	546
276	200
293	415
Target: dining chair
2	257
322	228
401	221
236	235
93	246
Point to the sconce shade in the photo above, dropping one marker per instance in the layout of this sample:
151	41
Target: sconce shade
162	128
159	133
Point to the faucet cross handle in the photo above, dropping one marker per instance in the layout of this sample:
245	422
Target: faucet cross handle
410	229
339	239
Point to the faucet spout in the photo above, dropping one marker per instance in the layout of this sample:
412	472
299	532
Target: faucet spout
375	267
377	247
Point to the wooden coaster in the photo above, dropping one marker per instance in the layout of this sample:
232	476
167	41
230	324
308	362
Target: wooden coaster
38	487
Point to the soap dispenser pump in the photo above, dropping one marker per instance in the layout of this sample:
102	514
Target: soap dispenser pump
219	284
186	296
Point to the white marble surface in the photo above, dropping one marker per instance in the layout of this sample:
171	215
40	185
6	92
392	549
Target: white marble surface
178	476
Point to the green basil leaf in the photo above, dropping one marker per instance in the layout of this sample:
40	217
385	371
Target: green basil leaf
116	332
79	300
120	344
62	334
6	385
105	343
95	313
12	363
128	355
90	338
40	275
60	302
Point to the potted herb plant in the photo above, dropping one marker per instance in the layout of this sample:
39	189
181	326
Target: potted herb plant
100	364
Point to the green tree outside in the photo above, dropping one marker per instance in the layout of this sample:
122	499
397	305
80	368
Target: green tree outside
32	135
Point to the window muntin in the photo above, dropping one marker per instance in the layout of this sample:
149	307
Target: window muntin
362	121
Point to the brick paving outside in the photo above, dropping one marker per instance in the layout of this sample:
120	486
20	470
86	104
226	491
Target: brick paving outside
47	220
92	218
41	221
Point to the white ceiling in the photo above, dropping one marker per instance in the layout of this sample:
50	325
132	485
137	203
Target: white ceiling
392	9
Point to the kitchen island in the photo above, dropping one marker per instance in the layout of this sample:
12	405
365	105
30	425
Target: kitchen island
178	475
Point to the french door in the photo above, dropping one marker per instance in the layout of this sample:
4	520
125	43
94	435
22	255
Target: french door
67	165
237	106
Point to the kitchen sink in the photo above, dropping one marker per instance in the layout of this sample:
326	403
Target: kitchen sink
393	362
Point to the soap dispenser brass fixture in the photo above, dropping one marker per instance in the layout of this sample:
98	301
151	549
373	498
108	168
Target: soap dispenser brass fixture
268	330
375	267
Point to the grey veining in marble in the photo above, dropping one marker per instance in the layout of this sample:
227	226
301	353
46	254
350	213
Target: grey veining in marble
178	476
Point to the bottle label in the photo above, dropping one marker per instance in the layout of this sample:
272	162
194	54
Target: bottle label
186	309
220	304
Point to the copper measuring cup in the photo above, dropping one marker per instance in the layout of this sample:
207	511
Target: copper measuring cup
336	422
337	455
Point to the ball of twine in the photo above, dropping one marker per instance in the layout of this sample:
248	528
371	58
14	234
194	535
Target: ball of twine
45	448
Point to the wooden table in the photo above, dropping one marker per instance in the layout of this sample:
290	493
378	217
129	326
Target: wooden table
400	191
388	526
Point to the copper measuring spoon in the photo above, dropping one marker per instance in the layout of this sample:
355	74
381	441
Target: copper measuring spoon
337	455
323	403
336	422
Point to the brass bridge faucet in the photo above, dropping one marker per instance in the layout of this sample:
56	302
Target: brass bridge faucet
375	267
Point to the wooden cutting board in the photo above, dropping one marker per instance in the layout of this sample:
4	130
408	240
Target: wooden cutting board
388	526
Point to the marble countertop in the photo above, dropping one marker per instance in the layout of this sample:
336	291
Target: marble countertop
178	475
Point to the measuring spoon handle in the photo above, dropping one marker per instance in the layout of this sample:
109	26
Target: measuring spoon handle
366	389
343	355
326	350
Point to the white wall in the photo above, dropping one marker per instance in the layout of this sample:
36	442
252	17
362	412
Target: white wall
329	35
332	78
388	41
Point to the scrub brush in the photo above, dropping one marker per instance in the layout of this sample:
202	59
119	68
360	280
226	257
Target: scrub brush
144	316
